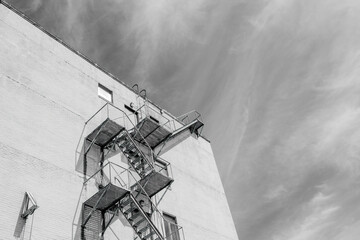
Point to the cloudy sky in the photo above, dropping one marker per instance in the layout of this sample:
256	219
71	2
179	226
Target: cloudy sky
277	81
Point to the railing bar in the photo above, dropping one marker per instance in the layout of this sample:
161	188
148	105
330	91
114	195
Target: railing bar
95	173
118	175
96	113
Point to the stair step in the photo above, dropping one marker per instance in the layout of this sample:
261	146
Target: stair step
123	137
143	229
129	152
129	146
136	160
134	153
140	166
124	142
134	217
139	222
129	210
125	203
147	168
124	146
148	236
120	140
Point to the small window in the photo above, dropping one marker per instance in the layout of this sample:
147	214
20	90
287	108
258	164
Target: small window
171	227
105	93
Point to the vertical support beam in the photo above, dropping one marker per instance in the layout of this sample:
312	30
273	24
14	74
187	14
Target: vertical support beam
102	153
103	225
82	232
85	162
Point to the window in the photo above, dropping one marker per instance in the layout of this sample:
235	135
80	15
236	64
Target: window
171	228
105	93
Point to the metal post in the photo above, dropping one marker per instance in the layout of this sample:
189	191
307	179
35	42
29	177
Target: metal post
103	225
102	164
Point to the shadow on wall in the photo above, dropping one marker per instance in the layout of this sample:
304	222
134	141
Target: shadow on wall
89	164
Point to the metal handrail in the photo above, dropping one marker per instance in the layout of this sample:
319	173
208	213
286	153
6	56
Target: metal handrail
152	204
93	175
133	125
143	190
118	177
139	150
167	166
110	165
184	116
177	119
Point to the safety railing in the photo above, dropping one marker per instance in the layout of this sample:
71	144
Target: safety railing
156	215
164	167
172	234
148	110
111	173
165	120
117	115
184	119
88	150
124	178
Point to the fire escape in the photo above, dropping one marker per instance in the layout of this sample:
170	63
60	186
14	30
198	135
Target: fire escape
131	195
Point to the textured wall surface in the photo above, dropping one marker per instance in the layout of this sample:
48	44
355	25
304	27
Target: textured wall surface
47	92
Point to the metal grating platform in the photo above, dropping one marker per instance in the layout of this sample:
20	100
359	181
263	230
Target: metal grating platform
105	132
106	197
152	132
154	183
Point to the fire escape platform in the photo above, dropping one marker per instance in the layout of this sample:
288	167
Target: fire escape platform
105	132
154	183
151	131
106	197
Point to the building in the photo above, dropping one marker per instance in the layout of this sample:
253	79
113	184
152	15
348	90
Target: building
83	156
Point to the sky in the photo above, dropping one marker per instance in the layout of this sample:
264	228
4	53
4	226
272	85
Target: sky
277	83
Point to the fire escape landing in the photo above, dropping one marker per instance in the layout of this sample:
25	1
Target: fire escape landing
131	197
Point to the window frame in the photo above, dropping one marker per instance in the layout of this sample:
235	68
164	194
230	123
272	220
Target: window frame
168	224
106	90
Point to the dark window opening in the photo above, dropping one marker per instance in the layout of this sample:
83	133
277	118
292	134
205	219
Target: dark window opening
154	119
130	109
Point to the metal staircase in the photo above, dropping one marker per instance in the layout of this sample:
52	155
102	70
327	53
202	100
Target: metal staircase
162	132
129	195
139	220
136	157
